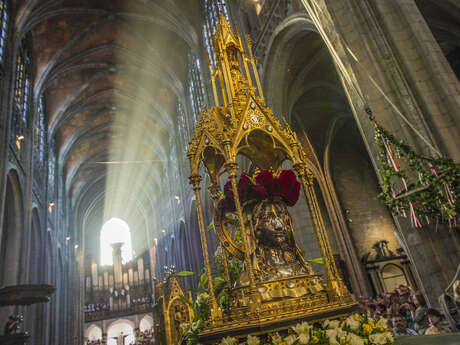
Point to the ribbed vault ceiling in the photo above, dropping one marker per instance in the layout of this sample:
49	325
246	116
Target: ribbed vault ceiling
112	72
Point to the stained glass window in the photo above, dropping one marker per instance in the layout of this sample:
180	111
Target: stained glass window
41	138
39	132
183	128
195	88
22	87
3	28
51	173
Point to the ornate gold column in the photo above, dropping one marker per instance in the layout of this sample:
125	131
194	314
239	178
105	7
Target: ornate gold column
255	299
214	190
231	169
334	280
215	311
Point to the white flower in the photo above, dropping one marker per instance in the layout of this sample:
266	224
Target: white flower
332	335
331	324
383	322
252	340
276	338
378	339
290	339
185	326
341	333
352	323
389	336
304	338
196	325
228	341
355	339
202	298
301	327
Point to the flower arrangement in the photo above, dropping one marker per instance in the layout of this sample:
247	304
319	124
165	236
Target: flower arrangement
355	330
263	185
200	306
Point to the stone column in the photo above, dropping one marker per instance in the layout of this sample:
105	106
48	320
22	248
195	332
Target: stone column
375	277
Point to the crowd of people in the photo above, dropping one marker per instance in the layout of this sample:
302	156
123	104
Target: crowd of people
407	312
95	307
144	338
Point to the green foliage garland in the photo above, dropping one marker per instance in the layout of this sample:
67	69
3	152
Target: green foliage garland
434	195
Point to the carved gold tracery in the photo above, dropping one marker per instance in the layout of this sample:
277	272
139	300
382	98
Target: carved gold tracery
175	311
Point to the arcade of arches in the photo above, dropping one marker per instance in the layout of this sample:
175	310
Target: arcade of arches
98	103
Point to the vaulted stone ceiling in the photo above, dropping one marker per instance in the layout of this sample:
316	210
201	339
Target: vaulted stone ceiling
112	72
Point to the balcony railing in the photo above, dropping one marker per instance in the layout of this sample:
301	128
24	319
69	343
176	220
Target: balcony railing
91	316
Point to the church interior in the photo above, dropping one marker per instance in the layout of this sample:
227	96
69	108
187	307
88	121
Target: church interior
280	172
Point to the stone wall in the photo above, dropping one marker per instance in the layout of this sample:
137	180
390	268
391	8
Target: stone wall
357	188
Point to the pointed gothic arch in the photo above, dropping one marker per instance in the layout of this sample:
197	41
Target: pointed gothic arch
12	239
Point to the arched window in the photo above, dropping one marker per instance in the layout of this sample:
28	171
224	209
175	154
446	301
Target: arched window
146	323
41	135
183	128
39	141
51	173
115	230
93	333
195	88
3	29
121	329
22	88
393	276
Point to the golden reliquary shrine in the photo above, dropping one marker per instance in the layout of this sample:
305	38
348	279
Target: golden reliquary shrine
268	285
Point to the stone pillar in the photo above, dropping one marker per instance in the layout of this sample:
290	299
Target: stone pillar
94	275
375	278
405	264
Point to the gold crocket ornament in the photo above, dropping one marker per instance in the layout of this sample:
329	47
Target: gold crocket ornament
276	287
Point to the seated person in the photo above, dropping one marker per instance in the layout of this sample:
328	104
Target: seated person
400	326
436	326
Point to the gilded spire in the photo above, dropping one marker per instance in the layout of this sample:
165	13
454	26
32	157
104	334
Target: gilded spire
236	71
